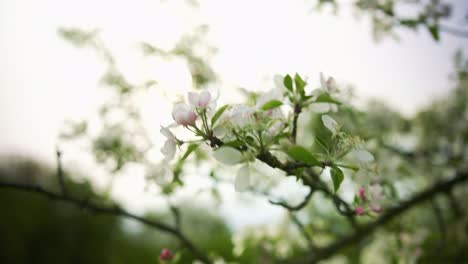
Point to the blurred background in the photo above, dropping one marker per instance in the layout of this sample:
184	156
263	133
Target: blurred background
76	74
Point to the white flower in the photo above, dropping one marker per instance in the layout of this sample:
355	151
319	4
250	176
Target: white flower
328	85
242	181
161	173
330	123
183	114
228	155
169	147
201	100
363	155
376	191
242	115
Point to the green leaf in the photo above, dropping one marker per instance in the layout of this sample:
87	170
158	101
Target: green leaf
300	84
189	151
301	154
434	30
288	83
271	104
218	114
337	177
326	98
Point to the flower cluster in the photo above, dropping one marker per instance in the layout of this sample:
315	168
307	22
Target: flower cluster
372	202
238	134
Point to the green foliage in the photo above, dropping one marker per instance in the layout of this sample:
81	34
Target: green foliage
301	154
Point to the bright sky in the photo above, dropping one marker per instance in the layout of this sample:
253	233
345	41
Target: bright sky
44	80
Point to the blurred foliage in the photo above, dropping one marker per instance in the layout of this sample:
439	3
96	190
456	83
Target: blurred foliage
34	229
387	15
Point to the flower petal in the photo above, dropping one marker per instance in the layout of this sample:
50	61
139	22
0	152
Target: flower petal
167	133
204	99
363	155
242	181
330	123
227	155
193	98
169	149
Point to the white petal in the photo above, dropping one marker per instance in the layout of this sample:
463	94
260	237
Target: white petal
320	107
204	99
242	181
227	155
193	98
279	82
166	132
219	131
322	82
363	155
169	149
330	123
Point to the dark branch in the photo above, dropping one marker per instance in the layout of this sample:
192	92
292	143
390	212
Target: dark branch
297	112
294	207
303	231
107	210
441	187
60	176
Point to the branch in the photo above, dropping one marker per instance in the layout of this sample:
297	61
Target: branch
60	176
440	187
303	230
295	207
297	111
106	210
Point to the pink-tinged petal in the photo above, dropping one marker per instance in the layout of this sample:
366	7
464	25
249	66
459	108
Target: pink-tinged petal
204	99
362	193
376	191
191	117
193	98
166	254
376	207
360	211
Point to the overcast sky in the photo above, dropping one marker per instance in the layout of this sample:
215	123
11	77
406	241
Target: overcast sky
44	80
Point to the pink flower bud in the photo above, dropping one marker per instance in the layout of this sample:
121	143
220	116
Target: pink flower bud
166	254
205	98
362	193
201	100
360	211
183	115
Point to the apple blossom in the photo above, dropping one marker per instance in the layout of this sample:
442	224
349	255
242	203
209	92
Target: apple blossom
362	155
328	85
169	147
184	115
330	123
242	181
200	100
166	254
360	210
362	193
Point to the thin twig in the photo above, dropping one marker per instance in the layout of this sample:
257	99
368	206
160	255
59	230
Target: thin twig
294	207
303	231
60	176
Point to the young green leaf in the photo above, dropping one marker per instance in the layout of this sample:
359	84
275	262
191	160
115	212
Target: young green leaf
189	151
218	114
337	177
434	30
301	154
288	83
326	98
271	104
300	84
